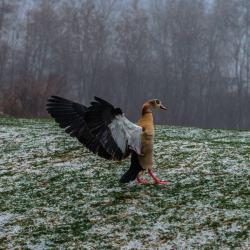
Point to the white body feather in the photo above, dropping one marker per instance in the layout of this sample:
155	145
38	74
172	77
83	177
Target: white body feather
126	133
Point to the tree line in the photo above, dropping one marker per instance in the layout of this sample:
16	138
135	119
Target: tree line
194	55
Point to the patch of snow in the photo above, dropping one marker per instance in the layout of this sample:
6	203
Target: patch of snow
133	244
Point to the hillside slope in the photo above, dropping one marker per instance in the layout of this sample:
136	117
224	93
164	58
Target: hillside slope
53	192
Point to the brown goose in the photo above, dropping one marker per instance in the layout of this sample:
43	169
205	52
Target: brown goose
105	131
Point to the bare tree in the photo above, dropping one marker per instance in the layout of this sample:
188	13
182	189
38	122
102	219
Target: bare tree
194	55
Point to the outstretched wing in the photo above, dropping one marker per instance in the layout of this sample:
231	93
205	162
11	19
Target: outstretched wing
102	128
70	116
126	134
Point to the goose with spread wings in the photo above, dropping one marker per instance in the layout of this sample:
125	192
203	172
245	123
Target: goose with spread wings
105	131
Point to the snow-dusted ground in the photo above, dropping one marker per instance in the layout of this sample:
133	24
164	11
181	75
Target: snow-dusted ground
54	194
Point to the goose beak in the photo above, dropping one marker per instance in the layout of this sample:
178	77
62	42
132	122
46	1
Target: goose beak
163	107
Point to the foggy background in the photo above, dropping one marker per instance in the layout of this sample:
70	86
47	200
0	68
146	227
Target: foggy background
194	55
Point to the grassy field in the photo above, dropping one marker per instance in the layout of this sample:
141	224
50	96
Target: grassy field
54	194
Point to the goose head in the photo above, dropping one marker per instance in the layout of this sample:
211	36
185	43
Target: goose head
152	104
156	103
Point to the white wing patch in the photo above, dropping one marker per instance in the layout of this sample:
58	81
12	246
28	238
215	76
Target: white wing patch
126	133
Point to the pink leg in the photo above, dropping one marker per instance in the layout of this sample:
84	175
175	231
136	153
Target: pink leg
141	181
156	180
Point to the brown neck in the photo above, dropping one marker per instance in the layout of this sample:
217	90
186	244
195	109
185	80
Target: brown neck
146	109
146	120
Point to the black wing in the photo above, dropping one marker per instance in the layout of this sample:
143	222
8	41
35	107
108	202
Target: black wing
92	126
70	115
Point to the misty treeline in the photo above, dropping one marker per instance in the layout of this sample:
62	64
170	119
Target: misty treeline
194	55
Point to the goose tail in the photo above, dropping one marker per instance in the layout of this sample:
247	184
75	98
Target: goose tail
133	171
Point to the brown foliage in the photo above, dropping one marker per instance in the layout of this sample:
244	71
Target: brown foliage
28	97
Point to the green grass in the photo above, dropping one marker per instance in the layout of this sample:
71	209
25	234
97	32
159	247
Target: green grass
54	194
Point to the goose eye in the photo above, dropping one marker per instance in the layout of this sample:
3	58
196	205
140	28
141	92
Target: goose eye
157	101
